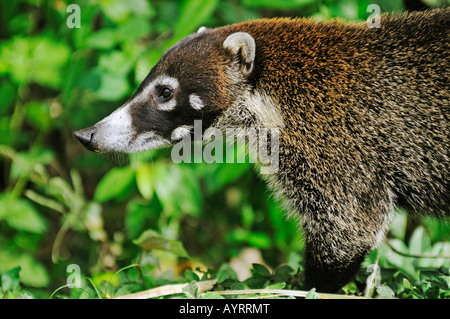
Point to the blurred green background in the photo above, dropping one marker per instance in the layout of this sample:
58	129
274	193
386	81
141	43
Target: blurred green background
61	205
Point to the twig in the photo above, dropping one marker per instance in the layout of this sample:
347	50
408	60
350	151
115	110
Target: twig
283	292
209	284
44	201
168	290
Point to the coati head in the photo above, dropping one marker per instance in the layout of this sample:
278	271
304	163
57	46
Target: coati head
197	79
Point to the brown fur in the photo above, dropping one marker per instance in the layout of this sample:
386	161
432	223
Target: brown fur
367	127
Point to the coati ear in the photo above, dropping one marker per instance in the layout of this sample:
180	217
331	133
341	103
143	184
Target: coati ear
202	29
243	46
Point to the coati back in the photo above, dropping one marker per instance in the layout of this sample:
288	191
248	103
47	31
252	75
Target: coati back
362	113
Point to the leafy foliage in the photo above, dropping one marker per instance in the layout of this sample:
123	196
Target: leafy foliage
137	222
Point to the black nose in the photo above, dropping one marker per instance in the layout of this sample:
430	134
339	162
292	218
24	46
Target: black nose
86	137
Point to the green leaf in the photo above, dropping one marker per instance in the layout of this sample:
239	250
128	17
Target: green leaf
116	10
419	241
80	35
150	240
189	194
39	59
120	11
113	87
398	225
177	188
47	61
33	272
21	215
312	294
225	174
257	282
278	285
293	261
144	180
115	63
107	86
406	284
133	30
260	271
193	14
20	24
283	274
102	39
392	5
438	279
437	230
38	113
225	272
280	4
10	279
91	79
210	295
25	162
348	9
115	183
385	292
259	240
237	235
191	290
248	216
136	215
191	275
404	264
350	288
439	248
8	94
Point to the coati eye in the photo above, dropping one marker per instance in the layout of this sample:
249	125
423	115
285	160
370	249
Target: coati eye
165	94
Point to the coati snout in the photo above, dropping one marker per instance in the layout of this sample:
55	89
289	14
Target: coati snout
363	115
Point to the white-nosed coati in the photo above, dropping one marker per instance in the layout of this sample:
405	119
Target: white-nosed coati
363	115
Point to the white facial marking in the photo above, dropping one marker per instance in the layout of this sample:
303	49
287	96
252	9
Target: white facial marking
168	106
116	133
147	141
196	102
151	89
181	132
